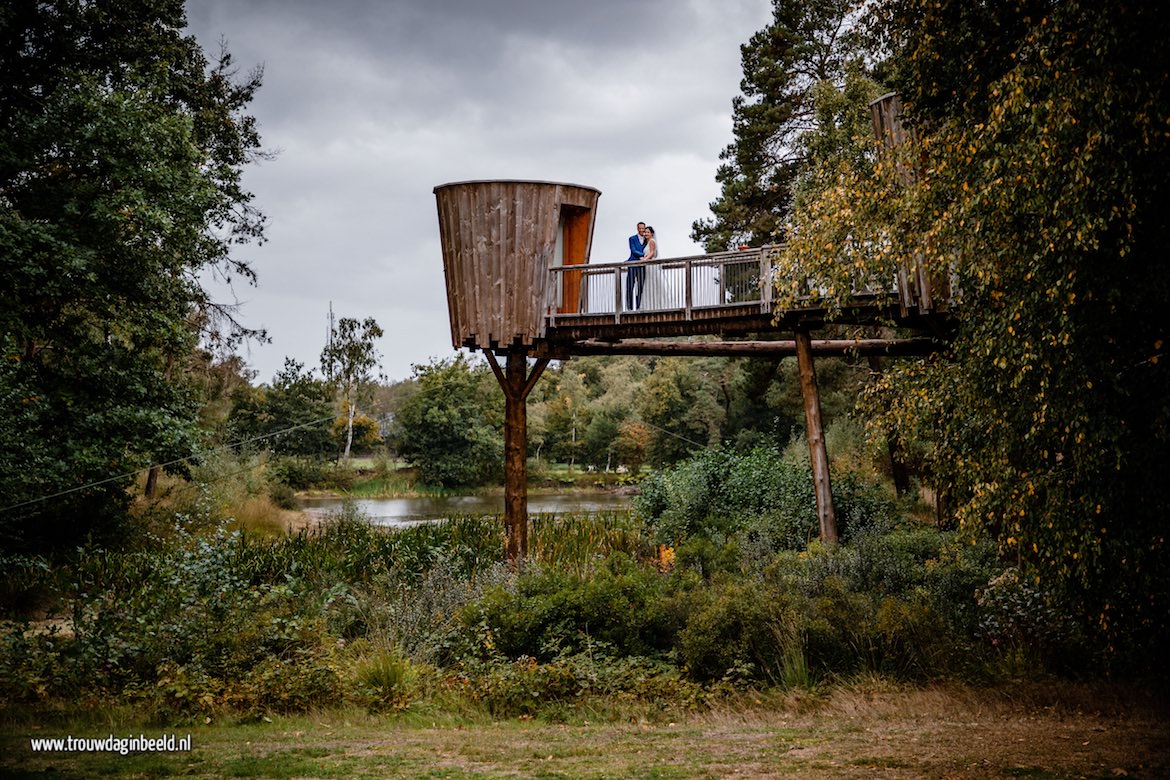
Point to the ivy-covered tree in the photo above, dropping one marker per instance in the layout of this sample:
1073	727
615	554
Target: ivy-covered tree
1040	187
121	151
806	45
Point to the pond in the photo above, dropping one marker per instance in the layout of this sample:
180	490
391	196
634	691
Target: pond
405	511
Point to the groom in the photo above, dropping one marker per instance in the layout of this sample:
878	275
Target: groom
636	277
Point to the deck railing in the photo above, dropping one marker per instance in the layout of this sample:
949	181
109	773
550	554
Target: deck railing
667	284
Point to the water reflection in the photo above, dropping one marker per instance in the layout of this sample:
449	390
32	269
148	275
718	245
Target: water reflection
405	511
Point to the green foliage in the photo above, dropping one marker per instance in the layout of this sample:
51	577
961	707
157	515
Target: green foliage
387	680
290	417
26	578
679	403
629	608
735	634
606	412
1030	623
120	165
311	473
1037	187
764	500
805	45
450	428
350	613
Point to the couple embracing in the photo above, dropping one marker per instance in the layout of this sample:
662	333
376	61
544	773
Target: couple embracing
643	246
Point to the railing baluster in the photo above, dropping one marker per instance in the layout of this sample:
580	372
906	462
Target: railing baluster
765	283
617	294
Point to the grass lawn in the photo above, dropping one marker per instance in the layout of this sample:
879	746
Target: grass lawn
1072	732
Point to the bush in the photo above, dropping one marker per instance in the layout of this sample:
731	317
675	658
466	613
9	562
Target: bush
283	496
25	581
759	497
736	634
353	612
626	606
915	640
1029	625
311	473
386	680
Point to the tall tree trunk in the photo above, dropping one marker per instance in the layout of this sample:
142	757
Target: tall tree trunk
516	384
151	482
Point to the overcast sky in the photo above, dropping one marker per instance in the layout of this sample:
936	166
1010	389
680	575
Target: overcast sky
372	103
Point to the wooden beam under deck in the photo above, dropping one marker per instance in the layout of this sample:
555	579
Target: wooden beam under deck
783	348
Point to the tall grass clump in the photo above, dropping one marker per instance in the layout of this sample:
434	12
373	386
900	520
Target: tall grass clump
579	542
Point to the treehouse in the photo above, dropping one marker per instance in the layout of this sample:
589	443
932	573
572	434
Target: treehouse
520	285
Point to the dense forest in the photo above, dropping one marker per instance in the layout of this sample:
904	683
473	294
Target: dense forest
134	442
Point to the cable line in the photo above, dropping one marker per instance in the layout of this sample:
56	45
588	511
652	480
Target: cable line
159	465
672	433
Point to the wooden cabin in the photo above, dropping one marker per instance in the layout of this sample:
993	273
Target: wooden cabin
502	243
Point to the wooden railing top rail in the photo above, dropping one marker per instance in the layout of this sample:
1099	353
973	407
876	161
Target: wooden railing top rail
715	258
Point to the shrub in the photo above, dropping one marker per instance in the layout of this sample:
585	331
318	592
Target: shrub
523	686
308	473
915	642
25	580
1028	625
895	562
627	606
283	496
760	497
735	634
386	680
840	630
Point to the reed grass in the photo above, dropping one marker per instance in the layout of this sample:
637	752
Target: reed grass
577	542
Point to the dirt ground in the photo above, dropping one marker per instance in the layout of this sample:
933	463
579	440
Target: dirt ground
919	734
961	733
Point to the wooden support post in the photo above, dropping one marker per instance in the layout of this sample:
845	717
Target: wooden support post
818	453
517	384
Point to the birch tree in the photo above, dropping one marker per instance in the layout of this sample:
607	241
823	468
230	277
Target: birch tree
348	362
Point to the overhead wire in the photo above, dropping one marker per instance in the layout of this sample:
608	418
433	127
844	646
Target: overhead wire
136	472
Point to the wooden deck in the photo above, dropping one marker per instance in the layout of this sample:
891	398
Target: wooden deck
727	293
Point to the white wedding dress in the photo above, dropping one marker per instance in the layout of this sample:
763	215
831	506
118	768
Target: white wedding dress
654	293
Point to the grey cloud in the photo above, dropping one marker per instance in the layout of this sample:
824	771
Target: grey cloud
371	104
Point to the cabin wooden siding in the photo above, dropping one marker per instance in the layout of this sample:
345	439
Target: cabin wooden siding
887	122
499	241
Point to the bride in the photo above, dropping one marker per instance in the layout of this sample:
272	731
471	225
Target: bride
654	296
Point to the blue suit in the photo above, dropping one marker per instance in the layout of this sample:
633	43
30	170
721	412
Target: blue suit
636	277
